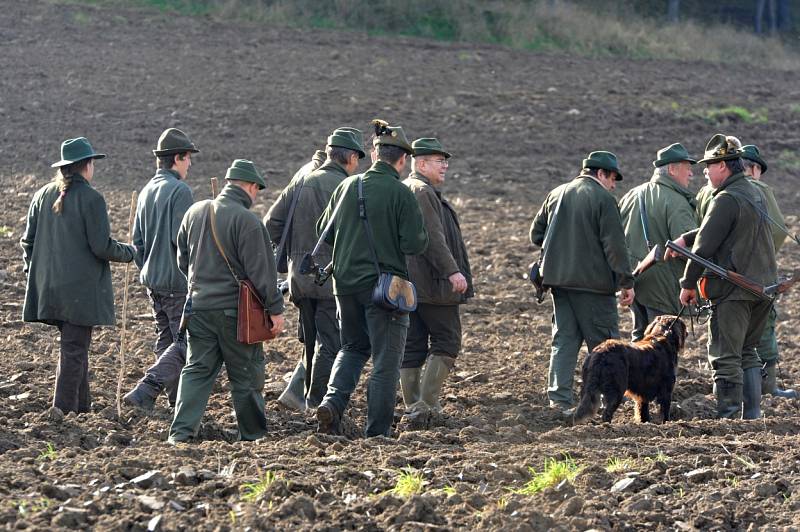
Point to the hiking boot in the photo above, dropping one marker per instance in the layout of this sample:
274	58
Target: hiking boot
751	393
292	397
409	384
329	420
729	399
144	395
436	371
769	382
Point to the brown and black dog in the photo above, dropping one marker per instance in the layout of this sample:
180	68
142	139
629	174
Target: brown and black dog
643	371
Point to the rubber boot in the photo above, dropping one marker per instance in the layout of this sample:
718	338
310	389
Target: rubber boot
769	382
409	384
293	397
143	395
729	399
751	393
436	371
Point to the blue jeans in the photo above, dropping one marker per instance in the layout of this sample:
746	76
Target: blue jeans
365	330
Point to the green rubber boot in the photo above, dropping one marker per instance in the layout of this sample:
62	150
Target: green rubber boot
410	385
769	382
729	399
436	371
751	393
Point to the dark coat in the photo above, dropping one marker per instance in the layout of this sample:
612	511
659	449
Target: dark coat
66	257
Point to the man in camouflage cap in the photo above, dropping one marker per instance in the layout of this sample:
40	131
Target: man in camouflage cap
443	279
669	212
320	330
159	211
585	263
733	235
398	230
755	167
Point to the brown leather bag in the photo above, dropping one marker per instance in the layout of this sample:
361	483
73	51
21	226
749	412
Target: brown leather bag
252	322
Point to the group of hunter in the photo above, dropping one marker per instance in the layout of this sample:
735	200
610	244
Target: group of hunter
360	225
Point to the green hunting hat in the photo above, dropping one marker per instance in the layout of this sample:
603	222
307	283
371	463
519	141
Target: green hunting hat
722	148
173	141
244	170
350	138
674	153
74	150
387	135
428	146
605	160
751	153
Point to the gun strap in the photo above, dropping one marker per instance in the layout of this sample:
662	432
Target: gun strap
288	223
643	217
549	231
328	225
362	213
212	210
197	254
763	213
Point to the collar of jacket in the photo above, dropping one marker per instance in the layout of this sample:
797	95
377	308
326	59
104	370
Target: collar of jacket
235	194
382	167
319	157
77	178
594	179
167	173
728	182
424	179
667	181
333	165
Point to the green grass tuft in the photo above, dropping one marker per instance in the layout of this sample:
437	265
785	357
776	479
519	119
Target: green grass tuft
409	482
615	464
48	454
252	491
554	472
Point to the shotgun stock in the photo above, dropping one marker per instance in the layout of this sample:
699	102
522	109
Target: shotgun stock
656	255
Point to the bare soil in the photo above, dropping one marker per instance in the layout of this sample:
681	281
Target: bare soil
518	124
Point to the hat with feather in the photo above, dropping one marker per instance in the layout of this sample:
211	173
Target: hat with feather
387	135
722	148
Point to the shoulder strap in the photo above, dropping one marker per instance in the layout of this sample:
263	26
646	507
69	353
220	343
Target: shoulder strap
549	231
362	213
288	224
212	211
643	217
764	214
199	247
328	225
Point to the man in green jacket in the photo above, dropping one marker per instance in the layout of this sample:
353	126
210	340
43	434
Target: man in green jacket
320	330
585	262
754	168
398	230
209	229
159	211
67	247
735	236
670	212
443	280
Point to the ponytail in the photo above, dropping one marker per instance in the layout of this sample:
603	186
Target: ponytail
64	180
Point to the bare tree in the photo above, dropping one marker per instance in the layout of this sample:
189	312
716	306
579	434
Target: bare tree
673	11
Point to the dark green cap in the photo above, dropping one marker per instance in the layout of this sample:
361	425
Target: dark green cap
674	153
751	153
74	150
605	160
387	135
722	148
350	138
244	170
429	146
173	141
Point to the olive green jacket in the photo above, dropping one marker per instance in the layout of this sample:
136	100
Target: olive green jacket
732	235
66	257
246	244
670	212
396	222
317	160
446	253
159	211
587	247
317	189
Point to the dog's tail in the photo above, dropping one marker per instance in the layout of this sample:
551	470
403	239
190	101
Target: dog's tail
590	396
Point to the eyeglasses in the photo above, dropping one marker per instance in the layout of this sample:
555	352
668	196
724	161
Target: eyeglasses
443	162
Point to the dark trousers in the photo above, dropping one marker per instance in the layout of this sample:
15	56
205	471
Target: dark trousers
642	317
72	375
321	341
165	372
734	332
434	330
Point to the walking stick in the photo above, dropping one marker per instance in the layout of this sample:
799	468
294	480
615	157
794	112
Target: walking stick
123	336
214	188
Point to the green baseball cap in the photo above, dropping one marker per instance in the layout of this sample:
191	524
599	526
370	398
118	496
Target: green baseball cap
74	150
244	170
350	138
751	153
387	135
722	148
604	160
674	153
173	141
428	146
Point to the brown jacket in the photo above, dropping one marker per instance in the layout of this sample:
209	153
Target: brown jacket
446	253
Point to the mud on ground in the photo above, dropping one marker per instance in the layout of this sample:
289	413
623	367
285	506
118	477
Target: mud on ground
518	125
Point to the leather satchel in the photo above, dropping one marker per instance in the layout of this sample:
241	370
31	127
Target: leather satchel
252	322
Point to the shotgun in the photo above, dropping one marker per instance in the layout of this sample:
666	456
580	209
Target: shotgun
655	256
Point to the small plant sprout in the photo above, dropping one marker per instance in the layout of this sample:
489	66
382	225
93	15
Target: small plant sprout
502	503
49	453
616	465
409	482
449	490
252	491
733	481
554	472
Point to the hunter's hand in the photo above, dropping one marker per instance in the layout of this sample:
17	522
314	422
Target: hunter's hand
626	297
670	254
459	282
688	297
277	324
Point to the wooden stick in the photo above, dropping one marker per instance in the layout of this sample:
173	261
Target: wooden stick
123	335
214	188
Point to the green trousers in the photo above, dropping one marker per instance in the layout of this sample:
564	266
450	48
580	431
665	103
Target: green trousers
768	345
578	317
212	341
734	332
